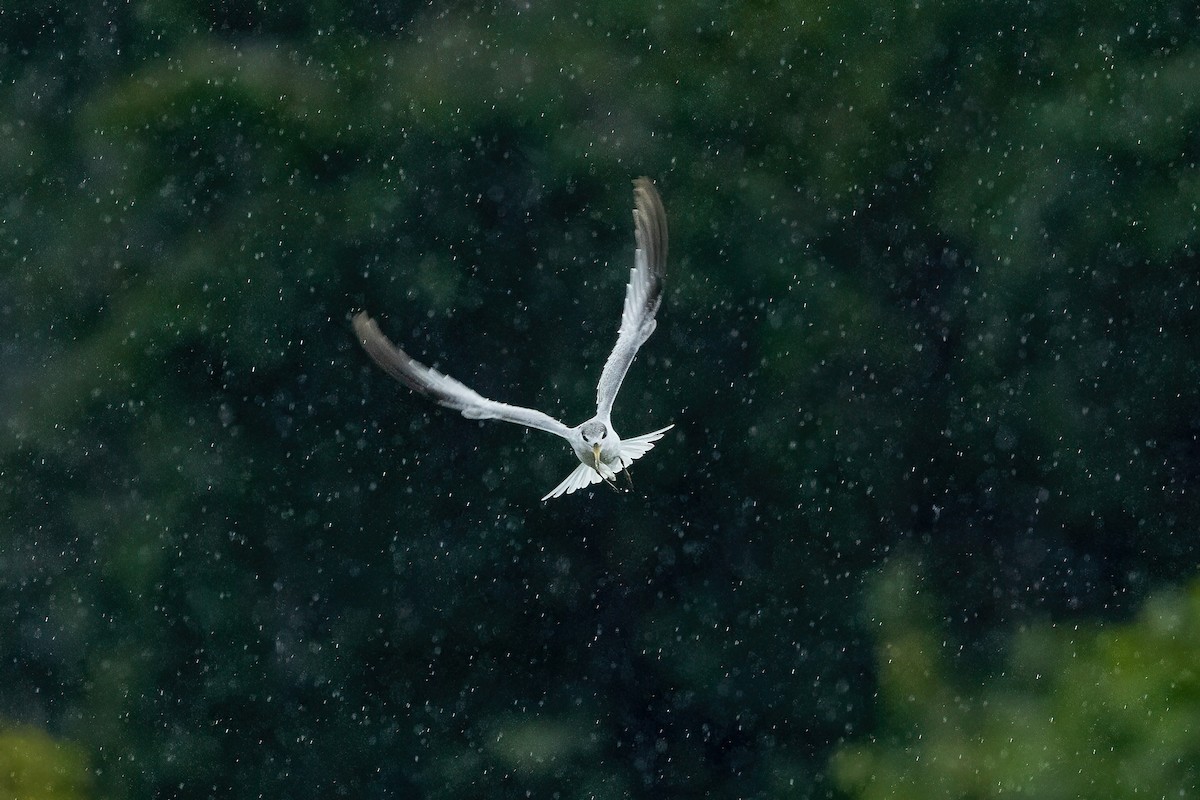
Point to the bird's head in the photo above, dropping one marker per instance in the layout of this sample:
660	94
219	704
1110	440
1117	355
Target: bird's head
594	434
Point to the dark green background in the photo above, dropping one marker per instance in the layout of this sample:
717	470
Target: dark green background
930	327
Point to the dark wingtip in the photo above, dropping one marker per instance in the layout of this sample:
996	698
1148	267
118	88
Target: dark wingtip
650	218
390	358
362	323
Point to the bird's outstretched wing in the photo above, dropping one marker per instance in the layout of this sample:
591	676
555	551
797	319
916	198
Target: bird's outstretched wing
643	295
442	388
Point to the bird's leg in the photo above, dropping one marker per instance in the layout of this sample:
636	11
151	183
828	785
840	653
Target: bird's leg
629	478
609	481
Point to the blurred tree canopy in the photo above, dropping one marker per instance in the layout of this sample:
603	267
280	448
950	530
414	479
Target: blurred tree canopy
1078	711
35	767
933	286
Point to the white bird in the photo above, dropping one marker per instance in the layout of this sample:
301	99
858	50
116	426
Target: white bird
601	452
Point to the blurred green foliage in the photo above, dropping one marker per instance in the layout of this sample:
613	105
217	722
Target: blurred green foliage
1077	711
35	767
933	284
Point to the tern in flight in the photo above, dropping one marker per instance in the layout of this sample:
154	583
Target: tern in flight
601	452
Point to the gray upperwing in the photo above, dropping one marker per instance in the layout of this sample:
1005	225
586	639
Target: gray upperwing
643	294
443	389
